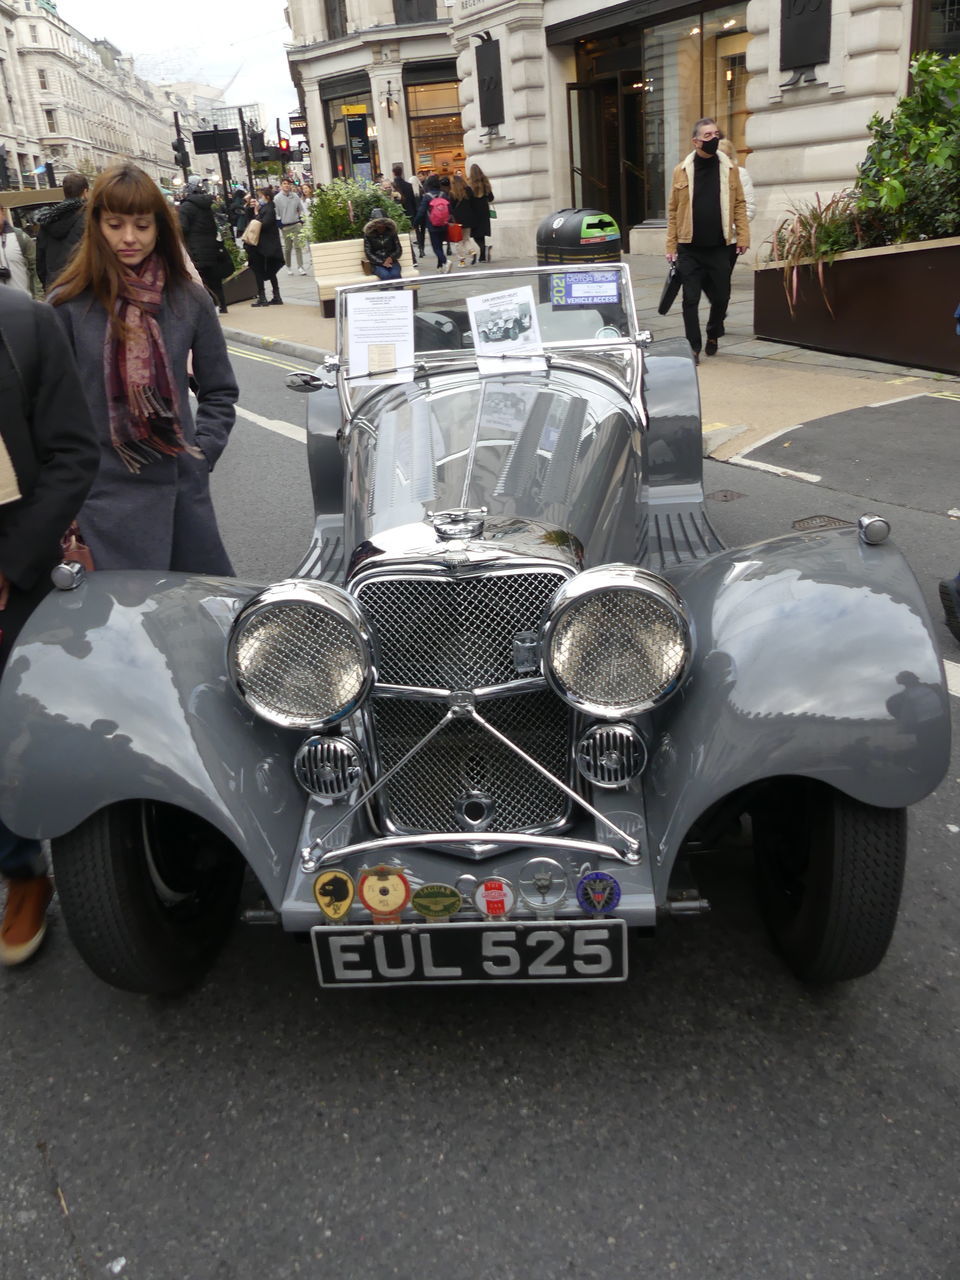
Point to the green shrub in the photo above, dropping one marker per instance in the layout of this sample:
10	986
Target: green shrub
342	208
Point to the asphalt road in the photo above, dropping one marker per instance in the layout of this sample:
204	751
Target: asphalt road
712	1118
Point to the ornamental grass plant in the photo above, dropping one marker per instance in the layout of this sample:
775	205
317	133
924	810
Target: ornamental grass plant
907	187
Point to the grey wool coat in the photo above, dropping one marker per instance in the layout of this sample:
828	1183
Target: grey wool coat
162	517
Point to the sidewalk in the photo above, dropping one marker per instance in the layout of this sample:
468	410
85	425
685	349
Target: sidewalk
750	390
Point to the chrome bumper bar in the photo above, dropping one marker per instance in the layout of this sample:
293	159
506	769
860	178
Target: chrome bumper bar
312	859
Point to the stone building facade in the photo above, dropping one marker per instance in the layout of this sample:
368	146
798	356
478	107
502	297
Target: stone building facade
74	102
598	106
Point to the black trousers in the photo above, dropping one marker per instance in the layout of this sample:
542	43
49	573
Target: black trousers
211	278
704	271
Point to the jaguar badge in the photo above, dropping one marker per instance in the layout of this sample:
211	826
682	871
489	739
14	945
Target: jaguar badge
334	892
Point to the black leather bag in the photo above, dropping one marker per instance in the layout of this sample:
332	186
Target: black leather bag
225	265
670	290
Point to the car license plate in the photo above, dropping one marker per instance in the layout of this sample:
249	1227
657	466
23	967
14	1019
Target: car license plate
472	952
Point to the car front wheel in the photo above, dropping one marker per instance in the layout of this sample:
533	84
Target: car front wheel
830	875
149	894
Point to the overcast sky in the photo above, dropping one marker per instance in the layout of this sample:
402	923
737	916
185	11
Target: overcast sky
195	40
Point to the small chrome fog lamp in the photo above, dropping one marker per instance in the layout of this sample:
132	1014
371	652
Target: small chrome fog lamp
300	654
616	641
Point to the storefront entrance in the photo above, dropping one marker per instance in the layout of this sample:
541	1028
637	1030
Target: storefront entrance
637	96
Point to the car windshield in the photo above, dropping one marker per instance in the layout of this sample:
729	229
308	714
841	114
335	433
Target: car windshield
385	331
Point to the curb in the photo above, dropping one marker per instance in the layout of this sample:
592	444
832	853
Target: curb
279	345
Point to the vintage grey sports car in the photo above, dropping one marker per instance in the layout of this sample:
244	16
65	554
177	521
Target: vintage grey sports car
516	681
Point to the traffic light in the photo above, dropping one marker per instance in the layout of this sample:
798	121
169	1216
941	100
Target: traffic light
258	151
283	146
181	156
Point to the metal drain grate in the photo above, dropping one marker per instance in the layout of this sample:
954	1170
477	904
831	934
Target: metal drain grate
725	495
813	524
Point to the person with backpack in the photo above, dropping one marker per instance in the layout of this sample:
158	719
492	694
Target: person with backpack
434	214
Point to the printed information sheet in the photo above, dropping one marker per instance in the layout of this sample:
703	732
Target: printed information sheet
380	335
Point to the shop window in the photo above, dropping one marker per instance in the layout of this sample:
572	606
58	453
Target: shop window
436	131
405	11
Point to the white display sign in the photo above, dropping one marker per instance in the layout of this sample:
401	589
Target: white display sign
380	335
505	324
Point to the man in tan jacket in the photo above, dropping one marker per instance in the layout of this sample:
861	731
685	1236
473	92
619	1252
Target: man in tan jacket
707	212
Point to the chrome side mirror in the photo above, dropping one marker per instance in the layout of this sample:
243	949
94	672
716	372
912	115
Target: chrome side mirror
307	382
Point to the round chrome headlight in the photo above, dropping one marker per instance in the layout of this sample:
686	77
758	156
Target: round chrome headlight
300	654
616	641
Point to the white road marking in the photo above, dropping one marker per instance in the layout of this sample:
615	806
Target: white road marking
953	677
274	424
882	404
743	461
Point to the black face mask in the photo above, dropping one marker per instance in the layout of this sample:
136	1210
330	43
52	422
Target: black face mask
709	145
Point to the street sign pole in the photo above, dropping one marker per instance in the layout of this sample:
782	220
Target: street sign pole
246	151
224	166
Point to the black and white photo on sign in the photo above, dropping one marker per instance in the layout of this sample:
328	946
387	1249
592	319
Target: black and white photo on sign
505	322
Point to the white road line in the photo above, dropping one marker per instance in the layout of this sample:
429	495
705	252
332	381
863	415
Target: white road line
953	677
882	404
274	424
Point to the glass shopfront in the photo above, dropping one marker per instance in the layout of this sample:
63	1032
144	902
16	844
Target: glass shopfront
436	132
638	93
352	135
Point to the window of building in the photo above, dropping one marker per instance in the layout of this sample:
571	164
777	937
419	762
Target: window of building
405	11
51	119
336	15
936	26
354	150
34	38
436	131
42	78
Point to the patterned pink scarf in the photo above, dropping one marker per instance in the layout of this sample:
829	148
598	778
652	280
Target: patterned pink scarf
141	392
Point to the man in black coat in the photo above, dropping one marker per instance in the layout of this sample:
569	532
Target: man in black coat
60	229
201	236
48	458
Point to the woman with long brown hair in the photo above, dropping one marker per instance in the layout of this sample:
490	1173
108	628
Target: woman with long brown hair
482	199
134	317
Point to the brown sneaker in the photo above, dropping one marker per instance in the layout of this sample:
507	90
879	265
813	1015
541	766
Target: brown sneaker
24	919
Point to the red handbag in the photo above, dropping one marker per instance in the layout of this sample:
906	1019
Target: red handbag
454	232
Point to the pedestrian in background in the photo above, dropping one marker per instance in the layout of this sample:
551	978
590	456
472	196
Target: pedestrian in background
134	318
382	247
59	229
706	213
48	459
290	211
266	256
18	258
433	215
202	237
482	199
235	207
461	212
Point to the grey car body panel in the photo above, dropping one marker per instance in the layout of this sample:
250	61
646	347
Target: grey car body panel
119	691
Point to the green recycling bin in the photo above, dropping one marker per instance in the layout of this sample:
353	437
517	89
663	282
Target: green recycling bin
577	235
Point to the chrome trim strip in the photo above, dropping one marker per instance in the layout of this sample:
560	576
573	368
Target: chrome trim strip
411	693
557	844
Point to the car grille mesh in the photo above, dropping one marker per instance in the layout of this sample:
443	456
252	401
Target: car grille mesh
464	757
453	633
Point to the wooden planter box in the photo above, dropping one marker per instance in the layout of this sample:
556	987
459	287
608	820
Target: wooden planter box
240	287
894	304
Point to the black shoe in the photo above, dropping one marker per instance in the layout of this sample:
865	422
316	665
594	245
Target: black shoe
260	301
711	347
275	301
222	310
950	599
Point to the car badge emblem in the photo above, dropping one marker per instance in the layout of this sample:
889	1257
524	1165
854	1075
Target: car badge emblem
598	893
436	901
494	897
384	891
334	893
543	884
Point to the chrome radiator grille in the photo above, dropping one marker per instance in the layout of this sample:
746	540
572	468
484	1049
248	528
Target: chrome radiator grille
464	758
453	633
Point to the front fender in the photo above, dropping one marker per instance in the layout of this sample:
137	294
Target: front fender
119	691
815	657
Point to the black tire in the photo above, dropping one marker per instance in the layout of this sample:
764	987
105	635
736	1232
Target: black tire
149	894
830	875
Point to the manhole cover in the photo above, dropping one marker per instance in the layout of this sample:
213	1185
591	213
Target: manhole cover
812	524
725	495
